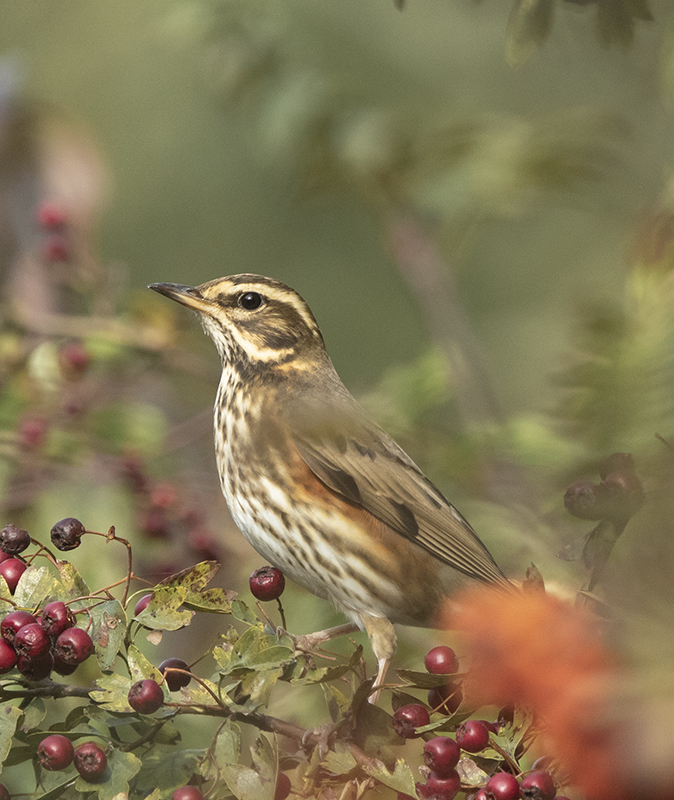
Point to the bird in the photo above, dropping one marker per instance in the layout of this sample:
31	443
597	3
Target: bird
316	486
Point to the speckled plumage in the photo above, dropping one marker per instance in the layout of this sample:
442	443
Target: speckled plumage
316	487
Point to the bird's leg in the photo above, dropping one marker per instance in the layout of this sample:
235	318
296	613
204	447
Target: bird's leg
384	643
310	641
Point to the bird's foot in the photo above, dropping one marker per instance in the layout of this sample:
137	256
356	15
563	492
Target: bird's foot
308	642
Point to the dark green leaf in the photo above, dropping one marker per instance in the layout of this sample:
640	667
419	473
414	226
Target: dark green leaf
423	680
19	754
58	791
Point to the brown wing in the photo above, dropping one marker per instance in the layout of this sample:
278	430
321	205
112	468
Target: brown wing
355	458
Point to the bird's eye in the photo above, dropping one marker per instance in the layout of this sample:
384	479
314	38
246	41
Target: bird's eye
250	301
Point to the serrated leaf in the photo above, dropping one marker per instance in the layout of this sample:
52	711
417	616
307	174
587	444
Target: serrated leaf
33	714
424	680
245	783
162	612
241	612
400	780
121	768
257	686
194	579
213	601
34	585
112	693
339	761
9	718
140	667
71	580
108	631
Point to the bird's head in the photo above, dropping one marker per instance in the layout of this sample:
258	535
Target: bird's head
252	318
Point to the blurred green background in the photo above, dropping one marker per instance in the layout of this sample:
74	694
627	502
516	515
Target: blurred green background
477	209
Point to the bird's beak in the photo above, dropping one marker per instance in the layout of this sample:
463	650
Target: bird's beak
186	295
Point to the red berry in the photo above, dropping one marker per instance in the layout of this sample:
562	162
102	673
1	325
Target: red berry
492	727
11	570
441	755
502	786
175	680
50	215
55	752
4	792
409	717
56	618
187	793
146	696
472	736
73	646
441	660
142	604
61	668
66	534
56	248
13	623
32	432
283	786
32	641
442	788
8	657
90	762
267	583
4	556
13	540
445	699
481	794
538	785
74	359
35	669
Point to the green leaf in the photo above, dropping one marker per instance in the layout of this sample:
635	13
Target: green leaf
19	754
257	686
58	791
108	631
470	773
401	779
241	612
254	650
34	585
424	680
214	601
194	579
71	580
162	612
340	761
246	783
33	714
166	767
9	717
140	667
121	768
374	732
112	693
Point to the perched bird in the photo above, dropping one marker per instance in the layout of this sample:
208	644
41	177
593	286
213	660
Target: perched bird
316	487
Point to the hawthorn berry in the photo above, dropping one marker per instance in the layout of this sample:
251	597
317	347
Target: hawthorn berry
441	660
445	699
56	248
66	534
267	583
74	359
55	752
50	215
436	787
175	680
35	669
73	646
13	622
492	727
481	794
32	432
8	657
472	736
90	762
56	617
11	570
146	696
441	755
538	785
502	786
142	604
187	793
409	717
32	641
61	668
283	786
13	540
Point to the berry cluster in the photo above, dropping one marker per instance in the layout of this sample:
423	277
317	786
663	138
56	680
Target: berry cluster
56	752
442	753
